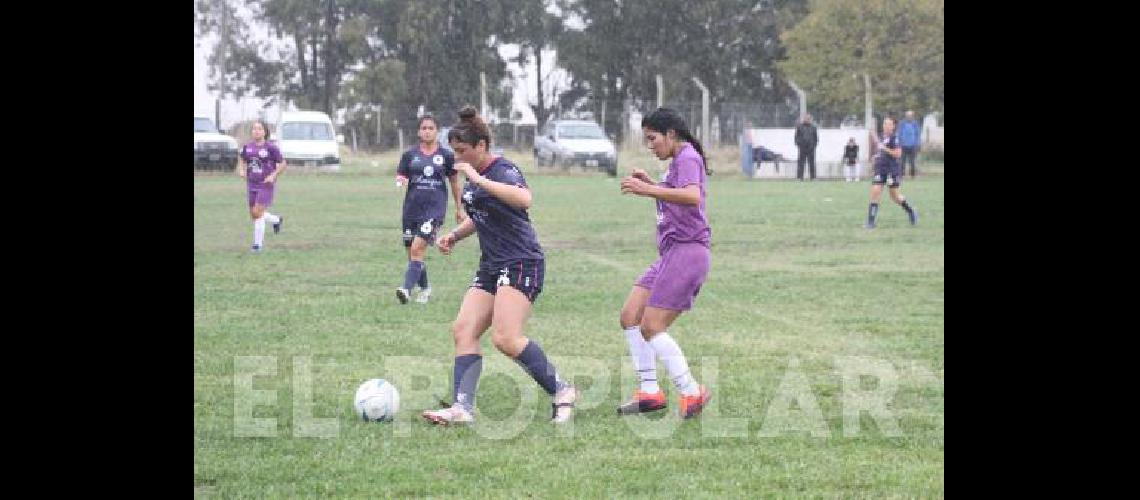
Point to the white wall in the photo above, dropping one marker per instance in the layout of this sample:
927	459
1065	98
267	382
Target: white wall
828	153
932	133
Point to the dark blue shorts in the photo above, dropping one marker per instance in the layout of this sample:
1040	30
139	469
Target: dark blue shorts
524	275
887	172
422	227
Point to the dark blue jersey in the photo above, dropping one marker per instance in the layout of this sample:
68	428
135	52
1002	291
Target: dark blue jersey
882	157
505	232
427	187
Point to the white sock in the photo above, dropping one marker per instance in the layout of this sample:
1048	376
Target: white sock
643	361
670	354
259	231
270	218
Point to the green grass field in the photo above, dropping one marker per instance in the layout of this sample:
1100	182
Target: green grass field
804	317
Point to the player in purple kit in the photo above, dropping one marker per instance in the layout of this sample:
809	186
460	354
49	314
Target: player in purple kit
260	163
669	285
423	169
509	279
888	171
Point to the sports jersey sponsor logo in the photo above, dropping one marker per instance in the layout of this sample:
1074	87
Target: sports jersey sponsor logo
425	227
407	231
437	159
428	171
263	153
503	278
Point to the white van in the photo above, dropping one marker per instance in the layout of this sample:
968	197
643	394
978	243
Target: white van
308	139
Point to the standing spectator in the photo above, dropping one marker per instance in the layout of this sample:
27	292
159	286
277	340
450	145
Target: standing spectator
806	139
851	160
910	137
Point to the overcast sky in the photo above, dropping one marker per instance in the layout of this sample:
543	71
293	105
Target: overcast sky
233	110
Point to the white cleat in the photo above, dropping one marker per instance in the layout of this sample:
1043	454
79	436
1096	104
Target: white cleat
424	296
402	295
455	415
563	405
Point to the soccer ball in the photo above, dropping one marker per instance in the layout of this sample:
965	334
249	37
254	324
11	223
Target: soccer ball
377	400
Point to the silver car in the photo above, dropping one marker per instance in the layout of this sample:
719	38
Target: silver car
567	143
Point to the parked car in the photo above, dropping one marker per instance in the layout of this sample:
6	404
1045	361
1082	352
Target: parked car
567	143
213	149
308	139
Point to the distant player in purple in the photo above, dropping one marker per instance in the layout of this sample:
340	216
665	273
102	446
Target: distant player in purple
423	169
669	286
888	171
260	163
509	279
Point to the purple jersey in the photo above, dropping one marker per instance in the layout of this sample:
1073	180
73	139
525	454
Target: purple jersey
260	161
426	197
505	232
683	223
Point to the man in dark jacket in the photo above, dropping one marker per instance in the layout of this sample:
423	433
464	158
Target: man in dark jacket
806	139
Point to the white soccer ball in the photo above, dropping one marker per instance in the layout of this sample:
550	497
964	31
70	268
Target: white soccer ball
377	400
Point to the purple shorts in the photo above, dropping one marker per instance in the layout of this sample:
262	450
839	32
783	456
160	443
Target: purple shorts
676	278
260	195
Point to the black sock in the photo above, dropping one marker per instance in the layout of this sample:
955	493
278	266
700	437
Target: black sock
423	282
534	361
906	206
412	275
872	212
468	367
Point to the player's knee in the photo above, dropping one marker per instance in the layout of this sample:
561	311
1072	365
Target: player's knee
462	330
629	317
649	329
504	338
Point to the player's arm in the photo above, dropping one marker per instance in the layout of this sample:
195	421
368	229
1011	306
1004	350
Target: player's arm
688	195
516	196
463	230
640	184
448	241
402	169
453	179
241	166
280	167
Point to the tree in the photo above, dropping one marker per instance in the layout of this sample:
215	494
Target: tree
898	44
376	92
236	67
318	52
732	45
445	45
535	29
